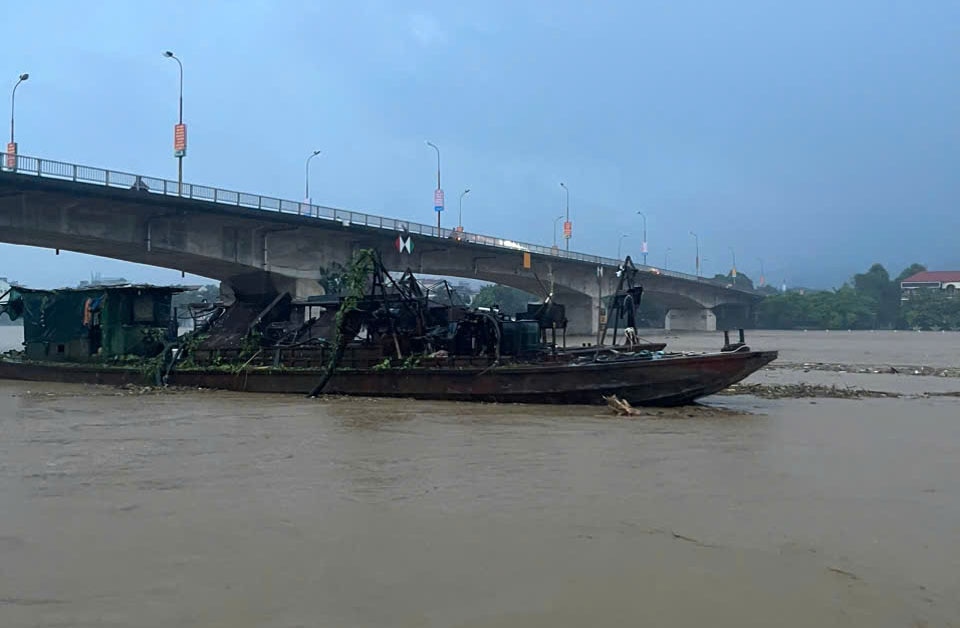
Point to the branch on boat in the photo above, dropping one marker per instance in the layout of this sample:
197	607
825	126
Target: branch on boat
364	263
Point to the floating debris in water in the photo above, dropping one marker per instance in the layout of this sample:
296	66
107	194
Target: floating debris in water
938	371
622	407
796	391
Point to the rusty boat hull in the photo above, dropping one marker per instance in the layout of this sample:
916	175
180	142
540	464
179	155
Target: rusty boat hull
669	380
70	373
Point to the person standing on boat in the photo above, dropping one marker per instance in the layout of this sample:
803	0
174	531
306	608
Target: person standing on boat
630	337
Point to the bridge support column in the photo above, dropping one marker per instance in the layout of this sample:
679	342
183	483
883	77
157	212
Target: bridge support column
302	288
734	316
260	286
582	315
690	320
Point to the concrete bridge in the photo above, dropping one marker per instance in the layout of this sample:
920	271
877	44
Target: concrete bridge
257	245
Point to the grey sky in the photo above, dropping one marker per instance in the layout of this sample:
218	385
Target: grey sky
819	136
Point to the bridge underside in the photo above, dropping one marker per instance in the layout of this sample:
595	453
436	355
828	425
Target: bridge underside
256	254
240	281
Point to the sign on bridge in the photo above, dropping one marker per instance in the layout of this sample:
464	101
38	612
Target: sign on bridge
404	244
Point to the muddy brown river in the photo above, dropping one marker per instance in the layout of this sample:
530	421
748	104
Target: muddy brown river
210	509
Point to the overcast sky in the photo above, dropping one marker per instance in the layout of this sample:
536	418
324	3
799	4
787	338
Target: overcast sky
818	136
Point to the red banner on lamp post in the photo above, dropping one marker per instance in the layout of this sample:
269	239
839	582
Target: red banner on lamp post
567	229
179	140
12	155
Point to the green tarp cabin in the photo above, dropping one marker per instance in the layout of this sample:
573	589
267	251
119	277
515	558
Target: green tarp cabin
93	322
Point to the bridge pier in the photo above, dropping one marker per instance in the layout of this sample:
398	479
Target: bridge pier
690	320
583	318
734	316
260	286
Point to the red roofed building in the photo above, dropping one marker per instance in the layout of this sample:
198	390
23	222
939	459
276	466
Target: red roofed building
948	280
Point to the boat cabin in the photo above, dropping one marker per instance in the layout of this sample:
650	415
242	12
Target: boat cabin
93	322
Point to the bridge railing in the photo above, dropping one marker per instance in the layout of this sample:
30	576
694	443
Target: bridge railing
23	164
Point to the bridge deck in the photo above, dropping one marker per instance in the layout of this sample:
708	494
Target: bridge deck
22	165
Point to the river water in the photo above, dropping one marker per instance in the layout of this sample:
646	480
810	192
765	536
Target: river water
202	508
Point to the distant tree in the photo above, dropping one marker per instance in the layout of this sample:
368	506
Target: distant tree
783	311
873	281
872	301
844	308
849	309
931	309
909	271
876	284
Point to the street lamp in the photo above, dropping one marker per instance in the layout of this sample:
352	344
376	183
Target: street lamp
555	230
179	143
666	256
697	238
565	236
439	196
12	148
733	272
643	246
306	179
619	242
460	214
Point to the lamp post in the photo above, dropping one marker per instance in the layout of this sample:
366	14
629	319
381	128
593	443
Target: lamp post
666	256
697	239
460	211
306	178
567	221
643	246
555	230
438	197
180	131
619	242
12	147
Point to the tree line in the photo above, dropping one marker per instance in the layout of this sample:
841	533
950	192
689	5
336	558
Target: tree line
871	300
